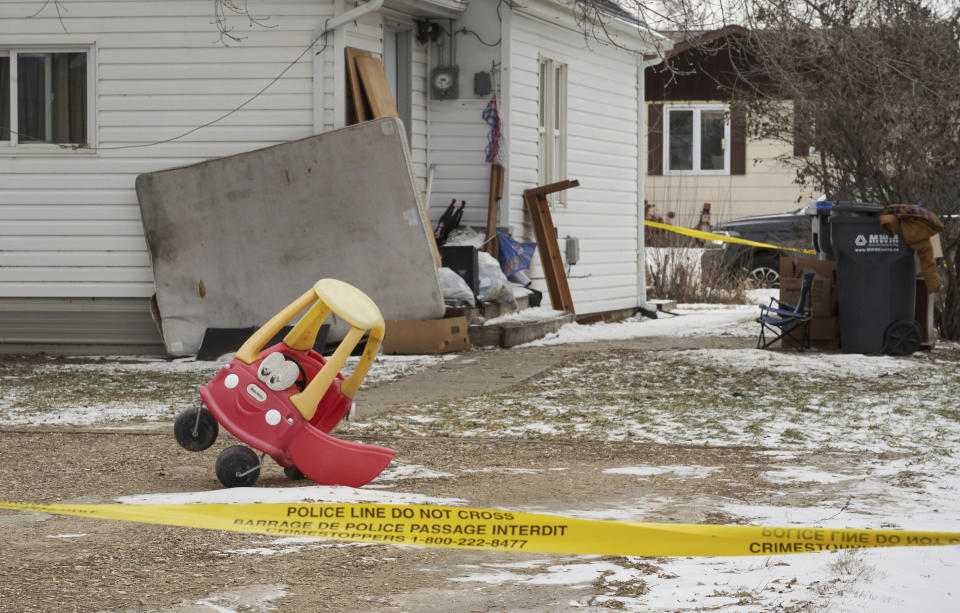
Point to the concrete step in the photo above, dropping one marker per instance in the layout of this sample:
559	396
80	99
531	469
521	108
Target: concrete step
518	328
489	310
663	304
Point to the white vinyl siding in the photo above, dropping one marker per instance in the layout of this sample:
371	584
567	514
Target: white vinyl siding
400	32
69	223
418	113
458	139
601	134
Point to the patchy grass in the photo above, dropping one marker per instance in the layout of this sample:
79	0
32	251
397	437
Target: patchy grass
39	389
679	397
676	397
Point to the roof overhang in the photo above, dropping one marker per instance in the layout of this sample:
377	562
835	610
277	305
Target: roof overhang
685	41
629	34
429	9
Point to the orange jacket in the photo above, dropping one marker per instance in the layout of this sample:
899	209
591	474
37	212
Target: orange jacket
917	226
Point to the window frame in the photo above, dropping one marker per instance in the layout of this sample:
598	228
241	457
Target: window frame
14	147
697	110
553	85
398	63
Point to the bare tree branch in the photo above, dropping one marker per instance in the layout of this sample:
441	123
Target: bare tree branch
59	8
224	9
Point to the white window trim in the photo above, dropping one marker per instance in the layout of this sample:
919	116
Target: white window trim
553	147
401	33
696	108
13	146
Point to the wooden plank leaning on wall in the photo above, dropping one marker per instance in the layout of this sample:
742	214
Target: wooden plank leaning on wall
546	233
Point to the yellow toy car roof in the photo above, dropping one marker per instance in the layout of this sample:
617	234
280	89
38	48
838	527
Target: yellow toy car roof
350	304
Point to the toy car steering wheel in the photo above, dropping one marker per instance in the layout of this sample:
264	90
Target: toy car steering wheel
301	381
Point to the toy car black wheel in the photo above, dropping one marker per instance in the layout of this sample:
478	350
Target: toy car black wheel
293	473
238	466
902	337
196	429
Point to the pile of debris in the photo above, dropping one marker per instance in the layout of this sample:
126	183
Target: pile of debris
233	239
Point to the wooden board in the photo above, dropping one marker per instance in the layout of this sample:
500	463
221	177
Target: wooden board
433	239
493	209
376	87
353	83
546	233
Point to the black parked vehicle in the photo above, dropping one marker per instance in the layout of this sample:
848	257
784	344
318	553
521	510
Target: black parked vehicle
761	265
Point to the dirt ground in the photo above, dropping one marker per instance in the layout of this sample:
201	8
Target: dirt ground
59	563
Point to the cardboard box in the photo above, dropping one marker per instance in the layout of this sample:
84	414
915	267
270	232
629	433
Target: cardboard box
824	334
787	268
426	336
823	268
823	289
824	328
937	253
788	342
790	288
823	297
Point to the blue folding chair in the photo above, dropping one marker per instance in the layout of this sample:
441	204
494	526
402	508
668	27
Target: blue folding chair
780	320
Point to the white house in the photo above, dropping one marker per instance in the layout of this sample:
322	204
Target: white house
93	93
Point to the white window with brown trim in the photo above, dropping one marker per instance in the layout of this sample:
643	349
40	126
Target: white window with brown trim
696	139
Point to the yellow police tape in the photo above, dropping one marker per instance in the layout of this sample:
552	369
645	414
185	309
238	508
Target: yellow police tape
713	236
468	528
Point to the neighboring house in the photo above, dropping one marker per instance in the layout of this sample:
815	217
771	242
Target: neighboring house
698	148
105	91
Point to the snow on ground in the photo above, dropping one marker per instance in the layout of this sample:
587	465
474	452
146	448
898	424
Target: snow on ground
646	471
899	413
85	391
313	493
526	315
686	320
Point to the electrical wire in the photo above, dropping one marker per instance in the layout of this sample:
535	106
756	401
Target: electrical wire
499	19
482	42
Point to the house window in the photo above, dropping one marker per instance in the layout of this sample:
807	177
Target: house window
4	97
553	126
44	97
695	140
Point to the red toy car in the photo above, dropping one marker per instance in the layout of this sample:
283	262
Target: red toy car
284	400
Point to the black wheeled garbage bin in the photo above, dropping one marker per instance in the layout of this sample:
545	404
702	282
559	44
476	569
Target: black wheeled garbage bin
875	283
819	212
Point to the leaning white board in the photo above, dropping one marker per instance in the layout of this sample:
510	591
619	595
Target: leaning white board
234	240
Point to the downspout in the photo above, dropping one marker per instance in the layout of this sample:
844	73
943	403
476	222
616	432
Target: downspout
353	14
429	104
332	25
504	214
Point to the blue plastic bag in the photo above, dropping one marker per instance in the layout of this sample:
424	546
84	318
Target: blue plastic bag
514	256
